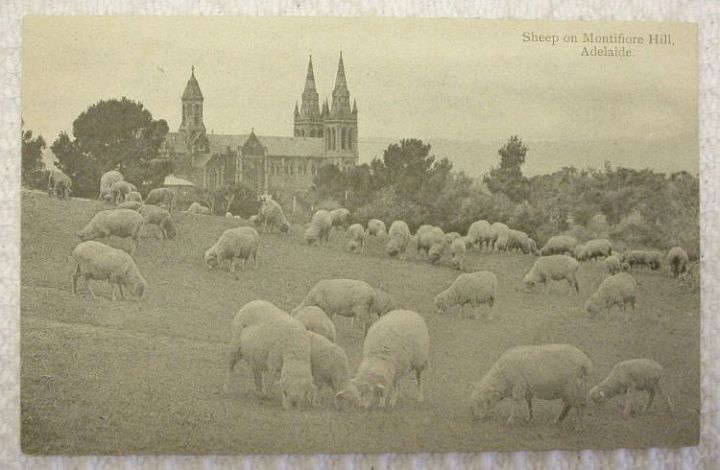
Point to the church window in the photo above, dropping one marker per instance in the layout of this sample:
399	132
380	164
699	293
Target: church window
350	138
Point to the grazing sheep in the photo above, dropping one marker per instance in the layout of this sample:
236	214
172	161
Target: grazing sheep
518	240
628	376
235	243
133	196
155	215
595	249
99	262
612	264
196	208
481	234
59	184
348	298
396	344
498	229
471	289
164	196
134	205
329	366
548	372
319	228
553	268
106	182
451	237
273	216
654	259
678	260
457	252
340	217
376	227
578	252
558	245
399	236
356	236
502	241
119	222
317	321
429	239
618	289
120	189
640	258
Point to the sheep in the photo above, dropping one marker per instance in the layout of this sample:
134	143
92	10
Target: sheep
678	261
451	237
612	264
481	234
196	208
348	298
502	241
553	268
618	289
457	252
228	215
654	259
106	181
498	229
578	252
317	321
133	196
518	240
329	366
155	215
638	258
396	344
356	235
99	262
134	205
235	243
399	236
164	196
273	216
319	228
431	240
628	376
277	347
595	249
558	245
59	184
376	227
340	217
120	189
468	289
119	222
548	372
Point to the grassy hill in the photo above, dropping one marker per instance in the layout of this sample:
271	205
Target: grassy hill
103	377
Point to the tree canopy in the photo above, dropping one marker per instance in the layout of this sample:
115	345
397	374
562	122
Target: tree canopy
31	153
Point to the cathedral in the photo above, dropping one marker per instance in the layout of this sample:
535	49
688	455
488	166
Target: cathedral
268	164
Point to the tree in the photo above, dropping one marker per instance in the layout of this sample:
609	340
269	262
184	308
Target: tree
84	170
408	165
507	178
31	154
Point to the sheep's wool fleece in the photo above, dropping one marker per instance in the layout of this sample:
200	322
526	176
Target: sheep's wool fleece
402	337
339	296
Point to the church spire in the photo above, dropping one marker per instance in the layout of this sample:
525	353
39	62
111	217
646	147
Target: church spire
310	78
340	82
340	95
192	107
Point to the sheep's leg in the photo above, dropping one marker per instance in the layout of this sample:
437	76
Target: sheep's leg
89	288
258	378
668	401
651	397
122	294
519	394
628	402
74	279
418	378
112	291
563	413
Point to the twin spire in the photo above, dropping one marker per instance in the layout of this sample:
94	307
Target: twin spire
340	106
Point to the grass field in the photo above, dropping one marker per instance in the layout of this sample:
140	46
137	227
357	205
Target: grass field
103	377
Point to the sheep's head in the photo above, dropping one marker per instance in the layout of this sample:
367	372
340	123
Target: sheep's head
597	395
352	246
529	281
296	393
383	302
211	259
392	249
370	389
85	234
483	401
591	306
141	289
285	227
168	228
441	303
349	395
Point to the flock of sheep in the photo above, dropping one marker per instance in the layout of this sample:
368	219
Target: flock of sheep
296	352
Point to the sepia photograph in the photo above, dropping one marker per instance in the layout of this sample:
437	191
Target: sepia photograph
316	235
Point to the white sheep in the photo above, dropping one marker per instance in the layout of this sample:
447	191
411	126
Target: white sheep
548	372
59	184
518	240
317	321
235	243
640	258
106	181
431	240
196	208
553	268
319	228
399	234
356	235
502	241
134	205
160	217
329	366
99	262
678	261
618	289
340	217
612	264
161	196
119	222
472	289
628	376
558	245
120	189
578	252
498	229
395	345
451	237
376	227
480	233
594	249
133	196
273	216
457	252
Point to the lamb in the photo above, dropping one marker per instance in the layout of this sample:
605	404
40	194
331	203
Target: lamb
196	208
154	215
134	205
678	260
481	233
273	216
356	235
235	243
553	268
548	372
457	252
618	289
498	229
59	184
471	289
99	262
119	222
628	376
329	366
319	228
376	227
396	344
340	217
133	196
120	189
317	321
595	249
164	196
106	182
558	245
399	236
612	264
431	239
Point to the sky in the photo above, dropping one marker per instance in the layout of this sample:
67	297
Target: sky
457	80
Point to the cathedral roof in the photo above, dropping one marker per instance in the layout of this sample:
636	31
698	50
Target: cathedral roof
192	89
